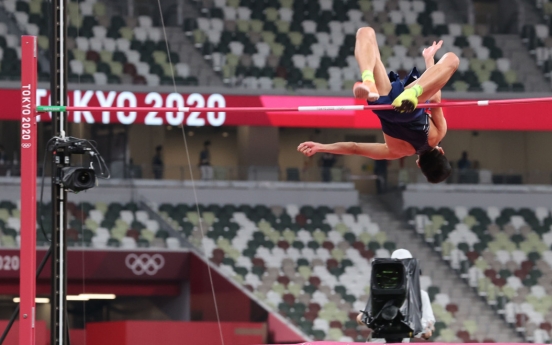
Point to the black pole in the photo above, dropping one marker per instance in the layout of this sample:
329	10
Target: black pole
16	311
58	89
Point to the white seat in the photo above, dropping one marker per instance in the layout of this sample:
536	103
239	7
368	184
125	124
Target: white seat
489	86
461	212
155	34
438	18
251	83
475	41
95	44
9	6
142	68
299	61
152	225
236	48
133	56
395	17
259	60
408	63
349	28
99	242
99	31
152	79
378	5
86	9
332	51
127	216
323	38
100	78
493	213
286	14
538	291
517	221
3	28
140	34
109	44
82	44
141	216
400	51
96	216
76	67
173	243
418	6
244	13
503	256
464	65
541	213
123	45
203	24
405	6
326	5
541	30
32	29
230	13
219	3
128	243
182	69
292	210
214	36
519	256
503	64
410	18
309	26
217	24
442	299
355	16
145	21
263	48
455	29
335	26
317	49
103	233
394	63
482	53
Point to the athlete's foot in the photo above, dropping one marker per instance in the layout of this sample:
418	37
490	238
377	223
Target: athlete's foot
406	102
366	90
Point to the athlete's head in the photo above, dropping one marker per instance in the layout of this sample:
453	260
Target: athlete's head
434	165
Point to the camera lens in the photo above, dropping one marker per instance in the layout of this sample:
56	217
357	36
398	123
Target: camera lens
83	177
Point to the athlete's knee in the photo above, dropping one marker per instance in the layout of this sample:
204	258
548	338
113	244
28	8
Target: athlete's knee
451	60
366	31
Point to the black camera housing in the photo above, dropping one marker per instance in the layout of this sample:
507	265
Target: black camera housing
394	310
77	179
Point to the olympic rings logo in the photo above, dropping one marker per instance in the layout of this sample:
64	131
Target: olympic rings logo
26	145
145	263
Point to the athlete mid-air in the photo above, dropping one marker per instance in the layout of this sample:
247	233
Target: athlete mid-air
407	130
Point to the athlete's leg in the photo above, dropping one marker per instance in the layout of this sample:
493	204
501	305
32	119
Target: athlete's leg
429	83
436	77
375	80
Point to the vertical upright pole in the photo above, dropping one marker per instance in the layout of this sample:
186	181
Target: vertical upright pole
58	89
27	284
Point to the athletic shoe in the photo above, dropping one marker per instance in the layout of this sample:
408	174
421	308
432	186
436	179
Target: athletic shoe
406	102
366	90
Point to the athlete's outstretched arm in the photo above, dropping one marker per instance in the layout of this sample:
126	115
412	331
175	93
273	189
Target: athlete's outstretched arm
370	150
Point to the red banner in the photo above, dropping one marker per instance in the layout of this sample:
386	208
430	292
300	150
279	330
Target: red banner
501	117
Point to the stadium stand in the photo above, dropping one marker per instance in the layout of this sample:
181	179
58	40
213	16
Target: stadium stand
310	44
259	44
504	254
309	264
103	48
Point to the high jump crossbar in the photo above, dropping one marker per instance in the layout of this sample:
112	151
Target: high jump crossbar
50	108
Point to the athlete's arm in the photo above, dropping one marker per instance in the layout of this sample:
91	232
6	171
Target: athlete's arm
370	150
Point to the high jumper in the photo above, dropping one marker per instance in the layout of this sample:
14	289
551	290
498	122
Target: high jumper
407	130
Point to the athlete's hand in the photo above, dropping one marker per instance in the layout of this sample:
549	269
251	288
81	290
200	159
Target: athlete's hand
309	148
430	51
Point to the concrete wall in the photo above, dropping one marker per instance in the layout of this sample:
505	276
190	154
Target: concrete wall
220	192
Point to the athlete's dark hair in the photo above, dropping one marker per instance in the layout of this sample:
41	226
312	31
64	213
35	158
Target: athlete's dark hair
434	166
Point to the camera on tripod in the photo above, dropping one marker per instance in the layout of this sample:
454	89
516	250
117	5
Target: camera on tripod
71	178
394	310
